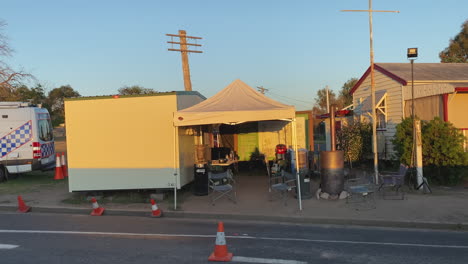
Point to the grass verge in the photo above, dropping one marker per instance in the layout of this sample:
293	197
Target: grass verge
30	182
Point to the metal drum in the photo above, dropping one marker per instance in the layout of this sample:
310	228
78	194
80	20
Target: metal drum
332	171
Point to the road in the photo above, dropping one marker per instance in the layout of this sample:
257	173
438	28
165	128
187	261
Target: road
60	238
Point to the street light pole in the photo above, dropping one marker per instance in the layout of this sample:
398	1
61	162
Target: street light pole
373	112
413	120
412	89
416	162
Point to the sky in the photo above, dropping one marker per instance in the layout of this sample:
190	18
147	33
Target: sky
293	48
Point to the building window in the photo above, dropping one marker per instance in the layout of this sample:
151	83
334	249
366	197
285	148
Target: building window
381	113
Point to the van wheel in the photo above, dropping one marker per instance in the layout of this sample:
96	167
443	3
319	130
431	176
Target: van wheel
3	174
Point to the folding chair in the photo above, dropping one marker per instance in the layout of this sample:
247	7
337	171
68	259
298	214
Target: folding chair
394	180
222	185
360	192
281	183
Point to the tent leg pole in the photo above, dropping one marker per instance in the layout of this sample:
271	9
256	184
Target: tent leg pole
176	147
175	198
296	154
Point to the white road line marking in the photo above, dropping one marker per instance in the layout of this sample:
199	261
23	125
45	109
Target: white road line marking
104	233
233	237
6	246
363	242
267	261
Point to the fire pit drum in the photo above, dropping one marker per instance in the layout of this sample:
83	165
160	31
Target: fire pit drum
332	172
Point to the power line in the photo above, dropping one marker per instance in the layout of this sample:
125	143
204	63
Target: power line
293	103
307	102
262	90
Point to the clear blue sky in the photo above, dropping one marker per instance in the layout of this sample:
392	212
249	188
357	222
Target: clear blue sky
291	47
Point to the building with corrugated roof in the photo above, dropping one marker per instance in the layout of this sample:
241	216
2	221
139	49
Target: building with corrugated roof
440	90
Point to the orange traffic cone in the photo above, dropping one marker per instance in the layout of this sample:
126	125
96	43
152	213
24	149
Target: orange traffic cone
97	210
64	166
220	252
22	207
58	168
155	211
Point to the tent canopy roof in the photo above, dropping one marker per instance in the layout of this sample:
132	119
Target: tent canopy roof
237	103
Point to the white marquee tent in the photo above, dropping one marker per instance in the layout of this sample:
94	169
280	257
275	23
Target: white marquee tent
235	104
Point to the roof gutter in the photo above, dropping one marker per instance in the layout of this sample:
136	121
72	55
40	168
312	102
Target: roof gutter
438	81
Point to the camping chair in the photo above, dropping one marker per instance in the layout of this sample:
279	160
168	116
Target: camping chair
394	180
222	185
281	183
361	191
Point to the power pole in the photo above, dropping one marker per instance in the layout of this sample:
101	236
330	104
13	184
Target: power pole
184	51
374	118
262	90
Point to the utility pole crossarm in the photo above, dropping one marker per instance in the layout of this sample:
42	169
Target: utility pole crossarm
382	11
261	89
182	35
184	52
188	44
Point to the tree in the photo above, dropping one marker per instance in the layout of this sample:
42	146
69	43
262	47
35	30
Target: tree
135	89
457	51
35	95
320	106
55	101
9	78
345	97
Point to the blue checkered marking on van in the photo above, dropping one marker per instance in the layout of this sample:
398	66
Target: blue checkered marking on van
15	139
47	149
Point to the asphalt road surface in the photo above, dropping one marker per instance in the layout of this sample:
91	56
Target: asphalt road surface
56	238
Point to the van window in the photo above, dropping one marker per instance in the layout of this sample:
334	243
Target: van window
45	130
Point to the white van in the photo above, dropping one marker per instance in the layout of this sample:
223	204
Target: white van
26	139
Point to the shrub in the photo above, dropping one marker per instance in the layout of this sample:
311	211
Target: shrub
442	144
403	141
354	139
444	159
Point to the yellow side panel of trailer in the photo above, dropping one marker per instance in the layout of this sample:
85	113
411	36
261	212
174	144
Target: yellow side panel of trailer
128	132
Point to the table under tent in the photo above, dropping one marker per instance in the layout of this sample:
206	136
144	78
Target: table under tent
236	104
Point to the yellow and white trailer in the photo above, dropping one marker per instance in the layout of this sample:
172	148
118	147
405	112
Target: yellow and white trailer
129	142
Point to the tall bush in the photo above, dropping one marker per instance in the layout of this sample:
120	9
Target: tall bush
442	146
403	141
443	155
354	140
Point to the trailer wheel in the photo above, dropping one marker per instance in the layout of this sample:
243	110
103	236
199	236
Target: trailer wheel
3	174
